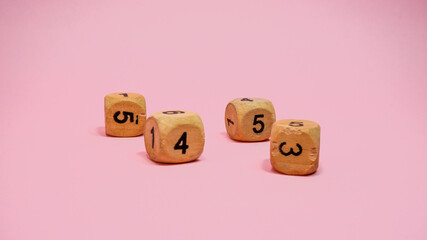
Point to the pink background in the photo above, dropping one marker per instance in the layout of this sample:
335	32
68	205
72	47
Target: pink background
358	68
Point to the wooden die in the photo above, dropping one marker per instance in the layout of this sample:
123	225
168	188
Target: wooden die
249	119
174	136
125	114
294	147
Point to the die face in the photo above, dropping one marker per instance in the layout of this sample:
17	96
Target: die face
184	143
249	119
294	147
124	95
114	98
152	138
231	121
125	119
256	124
178	136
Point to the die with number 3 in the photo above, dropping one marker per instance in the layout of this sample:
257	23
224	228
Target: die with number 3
174	136
294	146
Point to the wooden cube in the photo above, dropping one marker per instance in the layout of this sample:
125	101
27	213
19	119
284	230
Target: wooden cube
294	146
174	136
249	119
125	114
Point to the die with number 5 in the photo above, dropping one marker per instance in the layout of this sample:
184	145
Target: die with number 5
249	119
174	136
124	114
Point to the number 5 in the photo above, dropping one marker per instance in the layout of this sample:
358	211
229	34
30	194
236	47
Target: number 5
258	122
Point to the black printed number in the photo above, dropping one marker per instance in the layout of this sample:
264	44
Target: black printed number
229	121
296	124
152	133
256	121
291	151
173	112
182	143
126	116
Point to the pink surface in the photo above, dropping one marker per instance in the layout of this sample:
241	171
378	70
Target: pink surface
358	68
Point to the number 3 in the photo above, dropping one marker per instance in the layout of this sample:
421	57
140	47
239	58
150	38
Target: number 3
258	122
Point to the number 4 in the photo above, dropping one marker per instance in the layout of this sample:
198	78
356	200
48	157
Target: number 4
182	143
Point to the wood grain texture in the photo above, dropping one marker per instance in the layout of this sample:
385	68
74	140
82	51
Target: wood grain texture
294	146
249	119
174	136
125	114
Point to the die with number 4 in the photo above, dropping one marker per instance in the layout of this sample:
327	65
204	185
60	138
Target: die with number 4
294	146
174	136
249	119
125	114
